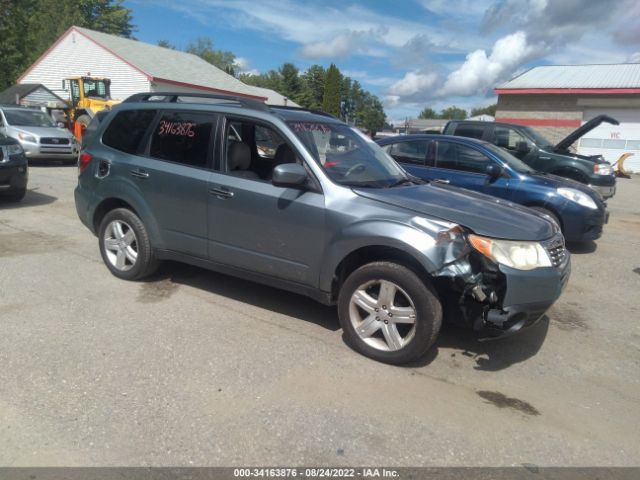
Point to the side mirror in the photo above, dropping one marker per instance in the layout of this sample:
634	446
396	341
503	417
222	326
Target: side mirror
523	147
290	175
494	171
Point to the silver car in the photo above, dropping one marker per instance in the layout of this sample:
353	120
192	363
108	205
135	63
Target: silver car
38	134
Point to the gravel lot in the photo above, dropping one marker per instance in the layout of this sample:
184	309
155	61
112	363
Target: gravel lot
196	368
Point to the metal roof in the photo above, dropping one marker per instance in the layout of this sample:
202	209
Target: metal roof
273	97
8	96
161	63
621	75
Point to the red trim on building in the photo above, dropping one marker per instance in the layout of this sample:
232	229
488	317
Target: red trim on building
542	122
209	89
566	91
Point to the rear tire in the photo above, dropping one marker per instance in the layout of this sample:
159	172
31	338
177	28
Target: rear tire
388	313
125	245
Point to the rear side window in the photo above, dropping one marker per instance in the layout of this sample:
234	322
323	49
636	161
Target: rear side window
471	131
127	129
183	137
409	152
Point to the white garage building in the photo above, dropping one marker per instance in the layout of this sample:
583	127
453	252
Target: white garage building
557	99
135	67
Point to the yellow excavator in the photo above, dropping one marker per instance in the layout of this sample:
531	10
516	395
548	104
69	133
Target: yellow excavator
88	96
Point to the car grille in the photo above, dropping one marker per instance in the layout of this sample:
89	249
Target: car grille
54	141
556	249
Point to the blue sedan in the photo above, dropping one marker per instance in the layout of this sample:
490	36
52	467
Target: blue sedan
485	168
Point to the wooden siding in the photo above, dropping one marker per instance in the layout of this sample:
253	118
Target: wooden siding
76	55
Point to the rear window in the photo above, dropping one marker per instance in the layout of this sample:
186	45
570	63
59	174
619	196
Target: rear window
471	131
183	137
127	129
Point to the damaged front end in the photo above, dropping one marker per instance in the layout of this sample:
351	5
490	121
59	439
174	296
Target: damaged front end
490	297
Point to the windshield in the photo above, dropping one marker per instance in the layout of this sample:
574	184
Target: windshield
96	88
348	156
28	118
537	138
514	162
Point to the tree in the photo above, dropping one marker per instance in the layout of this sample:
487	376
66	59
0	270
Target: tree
427	113
370	114
313	87
166	44
489	110
453	113
291	83
29	27
331	96
223	59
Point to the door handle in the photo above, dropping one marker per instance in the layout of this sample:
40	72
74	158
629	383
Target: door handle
139	173
220	192
442	180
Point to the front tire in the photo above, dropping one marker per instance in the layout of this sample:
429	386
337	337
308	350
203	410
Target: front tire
548	213
388	313
17	196
125	245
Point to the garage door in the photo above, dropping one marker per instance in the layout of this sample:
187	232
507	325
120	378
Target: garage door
611	141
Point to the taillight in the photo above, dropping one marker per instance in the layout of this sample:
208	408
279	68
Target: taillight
85	160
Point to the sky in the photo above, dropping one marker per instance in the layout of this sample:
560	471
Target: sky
411	53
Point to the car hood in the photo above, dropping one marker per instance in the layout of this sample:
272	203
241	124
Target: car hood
554	181
485	215
45	131
567	141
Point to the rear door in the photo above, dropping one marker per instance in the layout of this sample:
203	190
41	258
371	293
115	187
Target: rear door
256	226
171	172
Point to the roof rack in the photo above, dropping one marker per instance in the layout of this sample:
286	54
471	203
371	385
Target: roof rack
172	97
302	109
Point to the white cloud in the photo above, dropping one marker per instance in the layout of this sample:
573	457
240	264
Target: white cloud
634	58
346	43
413	83
480	72
242	66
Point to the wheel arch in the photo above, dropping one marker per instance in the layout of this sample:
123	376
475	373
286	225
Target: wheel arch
363	255
111	203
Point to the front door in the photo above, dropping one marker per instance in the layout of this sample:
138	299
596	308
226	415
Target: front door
256	226
465	166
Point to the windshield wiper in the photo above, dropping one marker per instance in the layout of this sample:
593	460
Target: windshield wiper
407	181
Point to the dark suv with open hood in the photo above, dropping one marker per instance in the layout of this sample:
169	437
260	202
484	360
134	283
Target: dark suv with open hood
536	151
301	201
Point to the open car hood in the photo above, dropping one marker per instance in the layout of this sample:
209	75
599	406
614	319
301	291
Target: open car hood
566	142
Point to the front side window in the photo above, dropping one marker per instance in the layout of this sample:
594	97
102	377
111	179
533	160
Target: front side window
28	118
460	157
510	139
348	156
183	137
95	88
126	130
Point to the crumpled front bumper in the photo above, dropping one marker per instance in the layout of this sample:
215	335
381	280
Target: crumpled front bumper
529	294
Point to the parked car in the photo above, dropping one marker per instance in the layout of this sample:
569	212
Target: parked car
39	136
483	167
536	151
14	171
330	216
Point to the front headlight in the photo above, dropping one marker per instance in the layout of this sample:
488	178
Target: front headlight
518	255
577	196
25	137
14	149
602	169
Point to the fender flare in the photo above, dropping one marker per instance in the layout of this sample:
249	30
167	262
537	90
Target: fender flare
368	234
